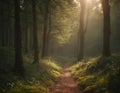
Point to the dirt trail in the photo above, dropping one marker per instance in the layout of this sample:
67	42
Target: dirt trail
66	84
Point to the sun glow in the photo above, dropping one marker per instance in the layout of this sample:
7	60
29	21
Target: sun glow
89	1
77	2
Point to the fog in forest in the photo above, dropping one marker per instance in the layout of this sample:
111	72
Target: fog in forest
59	46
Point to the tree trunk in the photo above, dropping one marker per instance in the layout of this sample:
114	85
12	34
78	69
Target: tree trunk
18	67
2	25
45	31
106	28
49	32
81	31
35	34
25	22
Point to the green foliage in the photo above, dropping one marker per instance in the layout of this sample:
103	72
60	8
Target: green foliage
98	74
63	20
63	60
38	77
25	88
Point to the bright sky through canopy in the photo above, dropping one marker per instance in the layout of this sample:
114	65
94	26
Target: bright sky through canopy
88	1
78	2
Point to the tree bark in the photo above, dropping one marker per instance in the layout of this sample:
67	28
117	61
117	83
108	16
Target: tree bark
45	30
18	66
81	32
106	28
2	25
35	33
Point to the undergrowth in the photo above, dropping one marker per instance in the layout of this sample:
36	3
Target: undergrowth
39	78
98	74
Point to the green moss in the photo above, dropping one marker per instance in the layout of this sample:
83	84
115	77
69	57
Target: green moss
38	77
98	74
25	88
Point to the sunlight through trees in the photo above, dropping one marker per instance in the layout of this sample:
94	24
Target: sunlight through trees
56	33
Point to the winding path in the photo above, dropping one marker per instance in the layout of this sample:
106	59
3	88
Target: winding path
66	84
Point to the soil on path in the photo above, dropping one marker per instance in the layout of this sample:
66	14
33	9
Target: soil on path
66	84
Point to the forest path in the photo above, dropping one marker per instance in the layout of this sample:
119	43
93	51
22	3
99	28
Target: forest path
66	83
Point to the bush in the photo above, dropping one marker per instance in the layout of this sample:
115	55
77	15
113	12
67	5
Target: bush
38	77
98	74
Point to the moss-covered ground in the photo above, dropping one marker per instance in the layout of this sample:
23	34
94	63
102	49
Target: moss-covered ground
39	78
98	74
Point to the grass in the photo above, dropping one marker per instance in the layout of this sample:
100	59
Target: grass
38	77
65	60
98	74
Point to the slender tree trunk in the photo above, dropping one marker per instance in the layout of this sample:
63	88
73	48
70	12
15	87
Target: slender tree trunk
26	39
2	25
81	31
50	29
18	67
7	24
26	26
45	31
35	33
31	38
106	28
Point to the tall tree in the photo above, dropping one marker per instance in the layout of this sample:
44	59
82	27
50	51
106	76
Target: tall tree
18	67
35	33
25	23
2	22
49	31
45	31
106	28
81	32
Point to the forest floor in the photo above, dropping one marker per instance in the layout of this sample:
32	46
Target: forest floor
66	83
